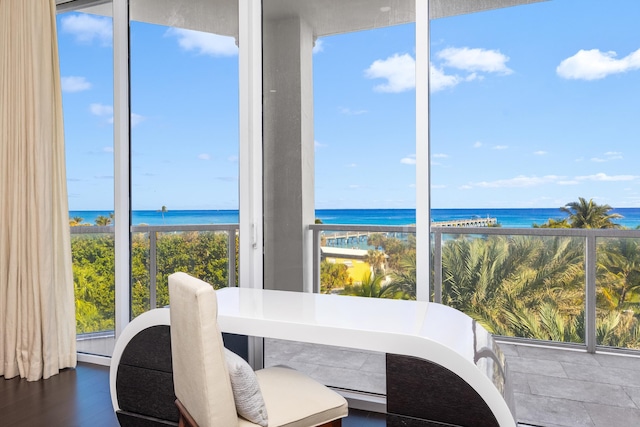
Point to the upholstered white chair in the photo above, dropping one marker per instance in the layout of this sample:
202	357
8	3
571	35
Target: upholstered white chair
213	386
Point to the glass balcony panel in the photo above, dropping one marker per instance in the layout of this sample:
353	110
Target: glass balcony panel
361	262
94	278
204	252
618	292
517	285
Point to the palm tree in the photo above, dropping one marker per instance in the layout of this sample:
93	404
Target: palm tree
515	285
403	280
619	267
376	260
76	220
163	210
102	220
583	214
371	286
554	223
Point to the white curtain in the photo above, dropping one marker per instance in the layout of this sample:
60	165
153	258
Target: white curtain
37	314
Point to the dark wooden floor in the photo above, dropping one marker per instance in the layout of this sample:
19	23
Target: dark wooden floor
80	398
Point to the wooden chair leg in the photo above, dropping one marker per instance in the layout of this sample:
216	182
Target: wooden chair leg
186	420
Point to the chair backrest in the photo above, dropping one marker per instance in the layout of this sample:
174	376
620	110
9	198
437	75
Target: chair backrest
201	379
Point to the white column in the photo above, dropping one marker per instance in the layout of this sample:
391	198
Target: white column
250	81
423	187
250	263
288	154
121	175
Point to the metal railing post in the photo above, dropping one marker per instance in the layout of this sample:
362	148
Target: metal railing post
590	294
316	261
153	268
231	256
437	266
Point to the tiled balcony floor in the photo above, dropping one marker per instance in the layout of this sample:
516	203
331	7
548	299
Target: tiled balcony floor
553	387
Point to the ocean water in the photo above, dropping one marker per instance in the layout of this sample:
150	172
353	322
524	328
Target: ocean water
510	218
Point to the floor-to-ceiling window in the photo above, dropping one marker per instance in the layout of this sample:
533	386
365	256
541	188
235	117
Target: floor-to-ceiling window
528	116
184	145
365	143
181	162
86	62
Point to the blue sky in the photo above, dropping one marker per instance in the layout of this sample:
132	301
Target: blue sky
531	106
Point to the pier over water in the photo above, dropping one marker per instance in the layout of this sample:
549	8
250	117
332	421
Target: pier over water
359	239
473	222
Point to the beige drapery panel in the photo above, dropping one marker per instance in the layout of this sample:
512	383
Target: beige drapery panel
37	313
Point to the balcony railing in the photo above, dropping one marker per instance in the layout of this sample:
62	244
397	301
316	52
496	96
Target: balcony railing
153	230
588	239
588	242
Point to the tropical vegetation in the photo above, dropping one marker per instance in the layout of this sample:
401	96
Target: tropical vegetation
202	254
524	286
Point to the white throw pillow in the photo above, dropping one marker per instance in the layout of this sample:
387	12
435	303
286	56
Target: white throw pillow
246	391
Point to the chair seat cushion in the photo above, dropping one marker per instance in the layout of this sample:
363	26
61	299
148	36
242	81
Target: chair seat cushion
295	400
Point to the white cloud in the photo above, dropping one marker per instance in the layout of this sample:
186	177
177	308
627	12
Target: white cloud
355	186
603	177
350	112
608	156
477	144
484	60
352	165
409	160
204	43
136	119
540	153
317	145
398	70
518	182
87	28
440	156
523	181
204	156
233	159
594	64
74	84
440	80
318	46
107	149
101	110
500	147
465	187
438	186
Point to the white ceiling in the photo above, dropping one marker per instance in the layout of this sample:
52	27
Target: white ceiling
326	17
